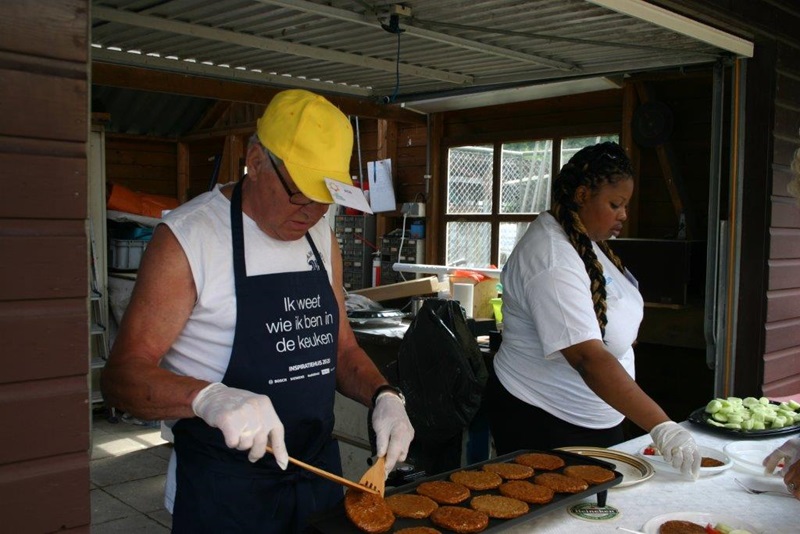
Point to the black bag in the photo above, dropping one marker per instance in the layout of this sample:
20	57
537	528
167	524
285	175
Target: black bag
441	371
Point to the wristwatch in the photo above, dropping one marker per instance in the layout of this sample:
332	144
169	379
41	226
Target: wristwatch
391	389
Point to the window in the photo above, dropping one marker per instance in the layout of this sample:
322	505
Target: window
495	190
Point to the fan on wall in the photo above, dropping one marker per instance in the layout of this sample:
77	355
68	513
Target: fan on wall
652	123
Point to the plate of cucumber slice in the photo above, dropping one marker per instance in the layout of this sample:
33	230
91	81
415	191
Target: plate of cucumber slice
749	417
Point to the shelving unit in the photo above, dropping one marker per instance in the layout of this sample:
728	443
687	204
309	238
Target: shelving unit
98	279
412	251
356	237
98	324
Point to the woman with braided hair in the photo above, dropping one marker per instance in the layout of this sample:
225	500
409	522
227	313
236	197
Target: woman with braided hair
564	374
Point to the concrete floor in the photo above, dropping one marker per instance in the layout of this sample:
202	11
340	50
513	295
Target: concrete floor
128	470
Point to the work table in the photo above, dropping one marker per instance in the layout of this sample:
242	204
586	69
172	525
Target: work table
667	493
663	493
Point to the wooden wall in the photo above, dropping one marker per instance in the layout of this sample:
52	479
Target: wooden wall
405	143
768	340
410	185
688	97
202	156
44	394
782	344
142	163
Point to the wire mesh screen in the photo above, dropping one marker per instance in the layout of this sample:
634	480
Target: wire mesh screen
469	180
525	176
510	234
469	243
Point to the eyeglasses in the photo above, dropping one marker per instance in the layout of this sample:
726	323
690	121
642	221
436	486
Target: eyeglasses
295	197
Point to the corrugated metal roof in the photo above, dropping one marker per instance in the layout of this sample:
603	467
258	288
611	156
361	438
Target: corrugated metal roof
438	47
146	113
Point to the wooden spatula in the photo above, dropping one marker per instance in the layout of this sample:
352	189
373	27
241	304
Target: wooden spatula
330	476
375	477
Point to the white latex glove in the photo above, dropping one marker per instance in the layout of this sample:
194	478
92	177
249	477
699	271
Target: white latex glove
393	430
247	420
678	447
789	453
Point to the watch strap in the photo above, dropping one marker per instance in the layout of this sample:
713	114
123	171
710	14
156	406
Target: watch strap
387	388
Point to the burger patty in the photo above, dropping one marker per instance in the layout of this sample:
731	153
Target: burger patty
539	460
561	483
509	471
444	492
499	506
367	511
527	491
459	519
592	474
411	505
477	480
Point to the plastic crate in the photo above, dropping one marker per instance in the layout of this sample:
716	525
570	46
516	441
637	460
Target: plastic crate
125	254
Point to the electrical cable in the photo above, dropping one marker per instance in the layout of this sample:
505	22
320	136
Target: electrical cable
400	248
358	149
397	72
394	27
366	242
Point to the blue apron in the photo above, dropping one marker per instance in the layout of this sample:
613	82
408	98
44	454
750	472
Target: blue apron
284	347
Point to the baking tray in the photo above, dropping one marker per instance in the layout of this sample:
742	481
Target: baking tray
700	417
336	522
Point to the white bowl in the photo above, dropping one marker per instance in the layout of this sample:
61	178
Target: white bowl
748	455
660	464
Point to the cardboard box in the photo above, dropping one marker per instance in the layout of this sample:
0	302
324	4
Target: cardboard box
482	296
410	288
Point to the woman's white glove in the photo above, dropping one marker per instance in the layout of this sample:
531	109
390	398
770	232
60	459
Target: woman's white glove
393	430
247	420
677	446
789	453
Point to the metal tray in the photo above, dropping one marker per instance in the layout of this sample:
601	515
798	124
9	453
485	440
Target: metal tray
385	317
700	417
336	522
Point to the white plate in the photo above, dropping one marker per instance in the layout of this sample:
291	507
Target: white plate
632	469
701	518
748	455
662	465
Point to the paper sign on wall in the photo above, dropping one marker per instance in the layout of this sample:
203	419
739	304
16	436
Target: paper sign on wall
347	195
381	190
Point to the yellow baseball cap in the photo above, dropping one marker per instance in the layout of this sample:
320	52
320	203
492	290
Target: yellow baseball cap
312	138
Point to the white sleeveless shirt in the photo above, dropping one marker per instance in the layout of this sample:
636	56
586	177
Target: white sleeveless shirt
202	226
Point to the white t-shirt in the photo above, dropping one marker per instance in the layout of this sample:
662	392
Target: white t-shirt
547	306
202	226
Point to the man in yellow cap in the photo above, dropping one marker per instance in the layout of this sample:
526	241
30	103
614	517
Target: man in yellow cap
236	335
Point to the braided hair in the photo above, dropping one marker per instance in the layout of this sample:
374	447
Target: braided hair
591	167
